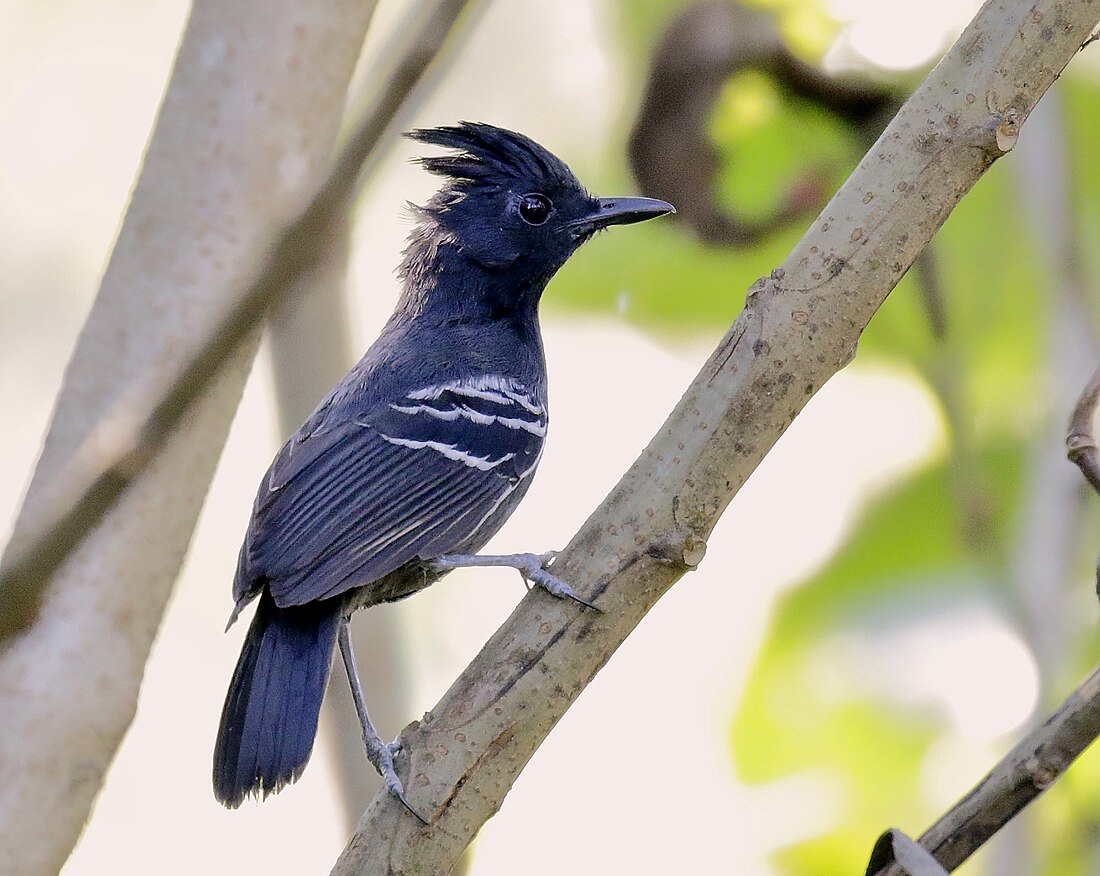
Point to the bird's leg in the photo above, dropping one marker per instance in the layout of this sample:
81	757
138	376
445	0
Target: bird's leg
379	754
531	566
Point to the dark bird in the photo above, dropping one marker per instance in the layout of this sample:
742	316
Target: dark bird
418	456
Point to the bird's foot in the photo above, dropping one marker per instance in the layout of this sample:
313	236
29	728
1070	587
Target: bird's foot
535	571
379	753
531	566
381	758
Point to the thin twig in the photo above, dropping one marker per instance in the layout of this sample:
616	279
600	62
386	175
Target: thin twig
1036	762
126	440
1080	442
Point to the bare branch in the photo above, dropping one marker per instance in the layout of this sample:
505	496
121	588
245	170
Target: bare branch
126	440
800	325
1080	442
1023	774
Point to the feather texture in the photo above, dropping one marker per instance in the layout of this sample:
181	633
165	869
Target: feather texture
270	716
418	477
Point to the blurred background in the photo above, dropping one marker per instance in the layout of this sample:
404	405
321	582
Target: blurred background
905	584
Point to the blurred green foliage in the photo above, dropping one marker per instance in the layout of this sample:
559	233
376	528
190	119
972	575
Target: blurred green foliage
906	553
939	540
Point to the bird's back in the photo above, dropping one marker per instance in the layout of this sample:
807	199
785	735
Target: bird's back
403	461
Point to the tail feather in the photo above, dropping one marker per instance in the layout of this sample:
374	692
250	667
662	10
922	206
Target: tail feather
270	715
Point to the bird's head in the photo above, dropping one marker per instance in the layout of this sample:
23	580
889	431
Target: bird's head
509	206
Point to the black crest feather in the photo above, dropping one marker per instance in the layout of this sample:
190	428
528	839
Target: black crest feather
489	155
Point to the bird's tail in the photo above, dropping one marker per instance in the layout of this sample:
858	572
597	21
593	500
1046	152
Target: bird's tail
270	715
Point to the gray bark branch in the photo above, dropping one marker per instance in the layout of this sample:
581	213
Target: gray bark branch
1036	762
800	325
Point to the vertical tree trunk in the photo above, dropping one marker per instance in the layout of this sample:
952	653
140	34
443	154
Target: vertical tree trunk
246	127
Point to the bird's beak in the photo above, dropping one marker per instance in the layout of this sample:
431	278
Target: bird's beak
620	211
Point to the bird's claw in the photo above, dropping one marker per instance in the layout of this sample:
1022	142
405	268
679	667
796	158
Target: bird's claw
536	574
384	764
399	793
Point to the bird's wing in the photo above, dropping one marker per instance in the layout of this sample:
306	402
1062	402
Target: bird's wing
345	505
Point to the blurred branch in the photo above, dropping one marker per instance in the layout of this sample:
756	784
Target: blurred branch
1046	539
1080	442
311	348
1041	560
127	438
673	157
929	279
671	152
245	130
1036	762
800	325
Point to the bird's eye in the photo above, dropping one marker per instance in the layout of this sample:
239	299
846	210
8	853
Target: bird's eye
534	209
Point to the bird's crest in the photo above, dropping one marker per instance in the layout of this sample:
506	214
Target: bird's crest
487	160
488	155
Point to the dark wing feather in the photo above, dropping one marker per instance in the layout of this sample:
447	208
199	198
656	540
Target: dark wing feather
347	504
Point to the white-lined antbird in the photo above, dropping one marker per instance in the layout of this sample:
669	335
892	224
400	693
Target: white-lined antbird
418	456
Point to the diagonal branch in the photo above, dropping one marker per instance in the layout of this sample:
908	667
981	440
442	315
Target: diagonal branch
1036	762
800	325
127	439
